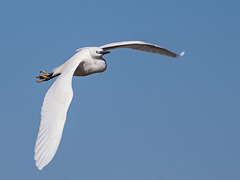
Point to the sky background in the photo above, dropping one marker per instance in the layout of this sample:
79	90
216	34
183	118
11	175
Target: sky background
147	117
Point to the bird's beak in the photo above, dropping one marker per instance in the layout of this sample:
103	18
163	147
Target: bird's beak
104	52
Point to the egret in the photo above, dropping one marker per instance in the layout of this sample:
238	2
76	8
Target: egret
86	61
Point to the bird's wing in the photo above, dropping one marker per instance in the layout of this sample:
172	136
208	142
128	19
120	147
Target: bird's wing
53	115
142	46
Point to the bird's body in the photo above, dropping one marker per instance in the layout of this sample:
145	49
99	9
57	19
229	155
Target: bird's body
88	61
58	98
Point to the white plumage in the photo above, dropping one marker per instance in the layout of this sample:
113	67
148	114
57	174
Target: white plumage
58	98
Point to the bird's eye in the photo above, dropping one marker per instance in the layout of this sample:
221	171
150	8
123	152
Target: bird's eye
97	52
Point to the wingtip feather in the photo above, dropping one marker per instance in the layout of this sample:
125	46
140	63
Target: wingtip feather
182	53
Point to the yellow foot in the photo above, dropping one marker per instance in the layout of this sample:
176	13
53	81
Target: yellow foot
44	77
44	72
40	80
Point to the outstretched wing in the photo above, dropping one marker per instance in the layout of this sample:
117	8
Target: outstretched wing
142	46
53	114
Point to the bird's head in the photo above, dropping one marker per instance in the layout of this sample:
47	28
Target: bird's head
97	52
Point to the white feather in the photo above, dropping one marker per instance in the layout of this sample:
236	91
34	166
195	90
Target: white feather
53	114
182	53
141	46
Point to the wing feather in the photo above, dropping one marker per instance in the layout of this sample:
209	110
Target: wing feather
140	45
53	117
53	114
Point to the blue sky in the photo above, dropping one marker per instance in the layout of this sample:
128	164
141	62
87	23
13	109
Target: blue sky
147	117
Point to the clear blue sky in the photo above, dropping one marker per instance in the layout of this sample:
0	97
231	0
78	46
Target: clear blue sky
147	117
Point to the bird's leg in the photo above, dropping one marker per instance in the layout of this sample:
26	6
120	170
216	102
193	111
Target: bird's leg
46	76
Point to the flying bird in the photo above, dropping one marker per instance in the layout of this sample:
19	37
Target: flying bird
86	61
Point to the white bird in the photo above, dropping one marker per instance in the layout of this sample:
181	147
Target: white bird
58	98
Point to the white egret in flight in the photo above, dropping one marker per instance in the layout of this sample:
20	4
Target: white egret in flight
86	61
